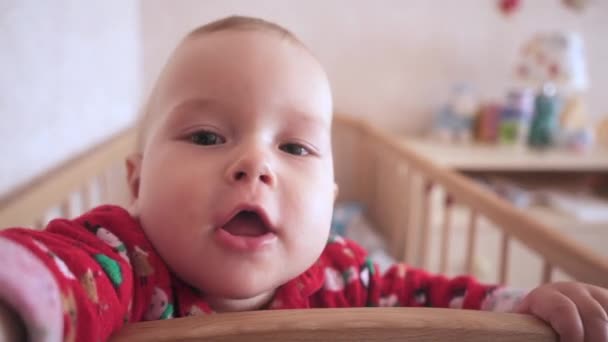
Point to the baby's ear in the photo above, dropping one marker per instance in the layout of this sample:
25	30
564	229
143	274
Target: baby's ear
133	164
336	191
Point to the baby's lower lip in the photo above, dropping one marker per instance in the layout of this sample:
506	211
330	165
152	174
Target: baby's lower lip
244	243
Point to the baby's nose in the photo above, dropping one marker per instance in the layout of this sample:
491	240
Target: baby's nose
242	175
251	168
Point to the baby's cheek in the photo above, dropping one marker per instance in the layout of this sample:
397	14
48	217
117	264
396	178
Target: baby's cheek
310	209
315	224
320	210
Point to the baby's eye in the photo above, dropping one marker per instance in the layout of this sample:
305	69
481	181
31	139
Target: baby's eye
206	138
295	149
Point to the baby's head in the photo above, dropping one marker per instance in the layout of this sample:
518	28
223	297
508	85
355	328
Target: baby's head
233	180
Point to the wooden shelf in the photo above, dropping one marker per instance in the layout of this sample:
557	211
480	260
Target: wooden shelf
480	157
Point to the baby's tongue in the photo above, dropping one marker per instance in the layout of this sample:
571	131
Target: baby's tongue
246	224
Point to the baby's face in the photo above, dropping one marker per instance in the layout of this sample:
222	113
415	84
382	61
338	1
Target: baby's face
236	183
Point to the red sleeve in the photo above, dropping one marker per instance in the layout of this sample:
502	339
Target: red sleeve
89	263
407	286
351	279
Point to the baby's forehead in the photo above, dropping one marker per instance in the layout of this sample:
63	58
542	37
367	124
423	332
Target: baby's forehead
237	49
243	67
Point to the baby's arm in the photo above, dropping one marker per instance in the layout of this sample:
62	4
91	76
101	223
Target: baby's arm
11	326
408	286
352	278
29	291
66	283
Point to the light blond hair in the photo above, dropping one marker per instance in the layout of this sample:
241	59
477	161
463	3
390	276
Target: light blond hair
148	114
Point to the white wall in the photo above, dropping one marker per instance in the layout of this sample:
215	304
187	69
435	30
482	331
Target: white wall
392	59
69	76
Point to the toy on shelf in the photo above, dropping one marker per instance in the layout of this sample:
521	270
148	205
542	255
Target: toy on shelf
544	124
454	122
602	132
553	66
488	120
576	132
515	116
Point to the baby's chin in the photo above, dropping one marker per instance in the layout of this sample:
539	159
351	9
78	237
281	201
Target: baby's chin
242	292
239	285
239	296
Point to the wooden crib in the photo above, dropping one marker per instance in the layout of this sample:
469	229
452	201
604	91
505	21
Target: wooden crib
395	184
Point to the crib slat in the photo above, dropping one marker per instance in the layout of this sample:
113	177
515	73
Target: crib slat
65	208
104	189
425	223
397	230
547	272
373	182
362	167
381	194
85	197
368	171
39	224
446	233
409	234
386	199
471	241
504	258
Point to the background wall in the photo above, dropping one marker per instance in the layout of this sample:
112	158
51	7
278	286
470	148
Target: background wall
393	60
69	77
73	72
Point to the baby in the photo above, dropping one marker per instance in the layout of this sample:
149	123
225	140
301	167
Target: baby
232	192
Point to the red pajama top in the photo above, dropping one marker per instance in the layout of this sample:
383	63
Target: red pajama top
82	279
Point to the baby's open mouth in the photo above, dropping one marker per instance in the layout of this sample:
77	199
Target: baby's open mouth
246	223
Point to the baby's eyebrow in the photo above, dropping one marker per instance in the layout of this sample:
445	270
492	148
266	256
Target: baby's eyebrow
309	121
196	104
190	109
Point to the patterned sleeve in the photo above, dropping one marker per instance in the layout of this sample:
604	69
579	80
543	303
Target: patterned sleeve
73	279
351	279
408	286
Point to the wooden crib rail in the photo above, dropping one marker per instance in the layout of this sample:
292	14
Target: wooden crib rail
353	324
383	170
27	205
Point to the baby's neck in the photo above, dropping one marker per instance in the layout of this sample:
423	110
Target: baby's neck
233	305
